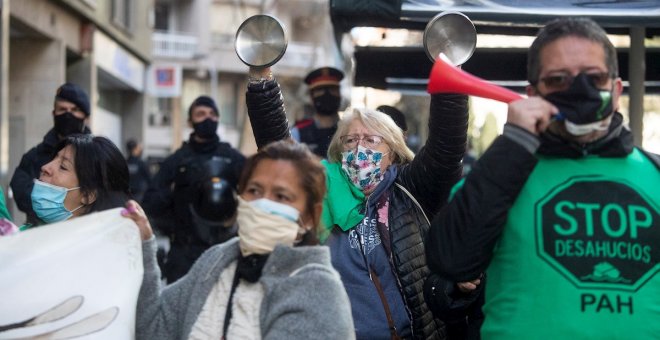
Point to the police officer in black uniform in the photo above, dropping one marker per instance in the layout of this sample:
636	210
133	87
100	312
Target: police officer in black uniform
70	113
176	186
323	84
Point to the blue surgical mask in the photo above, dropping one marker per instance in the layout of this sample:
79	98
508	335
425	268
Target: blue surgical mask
48	202
276	208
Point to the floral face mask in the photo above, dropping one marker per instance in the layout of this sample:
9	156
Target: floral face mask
363	167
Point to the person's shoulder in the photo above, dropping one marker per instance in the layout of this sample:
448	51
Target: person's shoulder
220	254
32	153
225	149
304	123
182	150
302	259
655	158
48	144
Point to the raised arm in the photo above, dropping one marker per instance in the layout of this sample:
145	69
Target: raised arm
265	106
437	167
463	235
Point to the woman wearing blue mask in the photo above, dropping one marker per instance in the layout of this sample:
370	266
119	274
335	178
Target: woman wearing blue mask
273	281
87	174
378	206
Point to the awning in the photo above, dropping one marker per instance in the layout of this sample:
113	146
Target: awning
408	68
495	16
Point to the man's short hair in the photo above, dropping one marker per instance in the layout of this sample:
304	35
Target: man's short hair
203	101
565	27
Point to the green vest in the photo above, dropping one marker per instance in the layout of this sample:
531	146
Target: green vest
578	256
3	206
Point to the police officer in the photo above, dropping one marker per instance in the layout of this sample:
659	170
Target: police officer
323	84
70	115
175	186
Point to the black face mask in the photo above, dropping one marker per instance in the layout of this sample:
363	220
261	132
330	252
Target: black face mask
582	103
326	104
206	129
67	124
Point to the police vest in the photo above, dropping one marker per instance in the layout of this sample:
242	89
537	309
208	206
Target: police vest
578	256
318	140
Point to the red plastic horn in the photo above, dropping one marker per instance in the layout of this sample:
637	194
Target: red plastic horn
446	78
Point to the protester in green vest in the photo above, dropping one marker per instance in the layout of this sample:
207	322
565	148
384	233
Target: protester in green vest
562	211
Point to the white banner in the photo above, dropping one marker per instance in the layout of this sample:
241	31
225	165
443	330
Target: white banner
75	279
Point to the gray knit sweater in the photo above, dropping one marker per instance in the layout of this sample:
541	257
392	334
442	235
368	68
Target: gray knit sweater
312	304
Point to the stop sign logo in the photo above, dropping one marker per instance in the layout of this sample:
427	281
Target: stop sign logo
599	232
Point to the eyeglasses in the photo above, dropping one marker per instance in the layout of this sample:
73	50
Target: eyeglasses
562	81
369	141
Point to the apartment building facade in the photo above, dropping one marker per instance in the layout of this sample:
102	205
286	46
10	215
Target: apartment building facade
193	54
103	46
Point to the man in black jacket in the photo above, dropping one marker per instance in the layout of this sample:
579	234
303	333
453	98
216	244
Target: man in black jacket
177	183
70	115
562	209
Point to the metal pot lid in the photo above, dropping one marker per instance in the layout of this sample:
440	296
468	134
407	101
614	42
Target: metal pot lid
260	41
451	33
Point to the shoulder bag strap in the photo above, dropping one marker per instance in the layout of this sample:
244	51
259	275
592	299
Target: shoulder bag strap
386	306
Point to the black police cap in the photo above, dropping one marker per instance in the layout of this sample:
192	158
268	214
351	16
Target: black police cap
324	76
74	94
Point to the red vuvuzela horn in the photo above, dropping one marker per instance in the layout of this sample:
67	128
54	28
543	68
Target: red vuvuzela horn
446	78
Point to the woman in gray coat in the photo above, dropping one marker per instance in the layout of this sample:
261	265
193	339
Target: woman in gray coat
273	281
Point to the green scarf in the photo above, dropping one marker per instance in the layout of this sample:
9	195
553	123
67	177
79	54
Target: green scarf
342	202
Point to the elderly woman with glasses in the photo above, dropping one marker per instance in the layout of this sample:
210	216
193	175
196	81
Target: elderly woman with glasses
378	205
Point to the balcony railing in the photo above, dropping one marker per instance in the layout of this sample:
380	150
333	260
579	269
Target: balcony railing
174	45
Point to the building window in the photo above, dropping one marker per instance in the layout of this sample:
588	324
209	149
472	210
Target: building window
162	11
121	13
161	112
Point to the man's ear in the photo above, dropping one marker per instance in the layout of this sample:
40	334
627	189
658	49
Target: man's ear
89	198
618	90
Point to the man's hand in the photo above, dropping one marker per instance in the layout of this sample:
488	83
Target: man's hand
533	114
466	287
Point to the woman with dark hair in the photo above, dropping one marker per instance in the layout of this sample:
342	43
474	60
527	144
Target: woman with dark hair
87	174
270	281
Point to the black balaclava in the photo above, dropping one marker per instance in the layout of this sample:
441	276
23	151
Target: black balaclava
67	124
206	129
327	103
